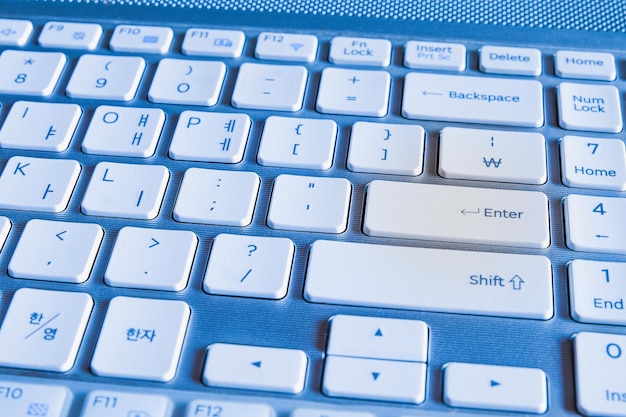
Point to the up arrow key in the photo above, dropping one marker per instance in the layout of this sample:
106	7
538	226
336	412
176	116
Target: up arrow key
378	333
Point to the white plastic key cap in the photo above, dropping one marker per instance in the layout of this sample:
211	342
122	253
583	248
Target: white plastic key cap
70	35
378	338
457	214
597	163
219	197
589	107
40	126
600	365
255	367
106	77
360	51
30	73
503	388
381	148
310	204
435	55
509	60
56	251
151	259
18	399
141	338
322	412
585	65
210	137
126	404
124	131
15	32
489	155
43	329
125	190
38	184
374	379
209	42
491	284
595	224
143	39
286	47
249	266
455	98
270	87
204	408
597	291
297	143
180	81
354	92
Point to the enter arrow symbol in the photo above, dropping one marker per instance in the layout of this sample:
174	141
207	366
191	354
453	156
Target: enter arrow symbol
465	211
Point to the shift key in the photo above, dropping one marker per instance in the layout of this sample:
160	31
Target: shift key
457	214
454	98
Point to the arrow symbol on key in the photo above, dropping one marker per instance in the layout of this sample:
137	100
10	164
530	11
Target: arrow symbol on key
156	242
427	93
375	375
256	364
60	234
602	236
494	383
465	211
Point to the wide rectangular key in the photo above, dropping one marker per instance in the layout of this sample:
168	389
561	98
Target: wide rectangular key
457	214
146	39
141	338
492	284
70	35
43	329
455	98
103	403
209	408
18	399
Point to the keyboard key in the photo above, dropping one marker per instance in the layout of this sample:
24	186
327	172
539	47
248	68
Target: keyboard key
492	284
219	197
105	77
373	379
125	190
595	224
286	47
126	404
255	367
56	251
597	291
30	73
42	329
510	61
489	155
178	81
378	338
40	126
457	214
297	143
380	148
310	412
210	137
435	56
152	259
124	131
18	399
585	65
593	163
38	184
142	39
270	87
249	266
354	92
454	98
141	339
599	365
70	35
15	32
309	204
589	107
199	408
360	51
5	228
210	42
503	388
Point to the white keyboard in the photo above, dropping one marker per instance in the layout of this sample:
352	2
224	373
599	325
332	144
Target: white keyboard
217	222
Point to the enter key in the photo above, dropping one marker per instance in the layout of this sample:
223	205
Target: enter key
457	214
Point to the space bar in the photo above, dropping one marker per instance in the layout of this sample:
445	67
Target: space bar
492	284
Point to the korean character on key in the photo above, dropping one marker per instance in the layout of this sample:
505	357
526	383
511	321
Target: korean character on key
35	318
132	335
148	334
50	334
